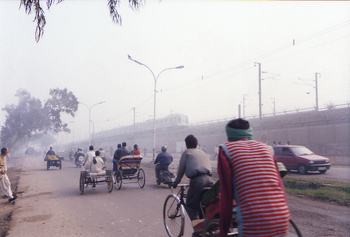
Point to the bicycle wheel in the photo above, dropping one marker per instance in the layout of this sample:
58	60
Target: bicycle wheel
293	228
141	178
81	183
211	228
174	216
109	182
118	179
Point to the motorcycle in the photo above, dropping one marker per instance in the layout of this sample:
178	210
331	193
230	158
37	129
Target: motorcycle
165	177
79	161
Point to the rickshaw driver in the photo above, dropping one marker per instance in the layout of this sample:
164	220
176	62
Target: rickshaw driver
164	159
50	152
88	158
248	174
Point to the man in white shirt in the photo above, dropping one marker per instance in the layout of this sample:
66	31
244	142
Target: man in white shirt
88	158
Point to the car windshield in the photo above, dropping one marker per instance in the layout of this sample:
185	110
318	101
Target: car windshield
300	151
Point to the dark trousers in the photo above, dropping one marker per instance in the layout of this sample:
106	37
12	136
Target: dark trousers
159	168
194	194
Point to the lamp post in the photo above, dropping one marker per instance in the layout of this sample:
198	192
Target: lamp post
155	78
89	108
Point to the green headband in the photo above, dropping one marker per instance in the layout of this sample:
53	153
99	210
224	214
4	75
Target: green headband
234	134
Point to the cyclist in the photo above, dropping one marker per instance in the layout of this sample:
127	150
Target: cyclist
196	165
248	173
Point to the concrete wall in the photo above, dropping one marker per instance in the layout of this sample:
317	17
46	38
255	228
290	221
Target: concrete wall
324	132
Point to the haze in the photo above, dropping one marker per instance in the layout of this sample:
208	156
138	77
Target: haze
217	42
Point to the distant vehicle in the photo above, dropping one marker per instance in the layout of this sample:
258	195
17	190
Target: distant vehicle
301	159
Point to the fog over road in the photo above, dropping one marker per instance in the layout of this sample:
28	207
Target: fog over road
50	204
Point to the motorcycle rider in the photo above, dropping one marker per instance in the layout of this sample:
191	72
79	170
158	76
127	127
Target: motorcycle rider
71	154
164	159
77	155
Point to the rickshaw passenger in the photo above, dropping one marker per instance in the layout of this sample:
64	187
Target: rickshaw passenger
135	151
124	150
97	164
88	158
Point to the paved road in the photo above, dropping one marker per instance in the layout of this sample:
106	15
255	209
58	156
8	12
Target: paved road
335	172
50	204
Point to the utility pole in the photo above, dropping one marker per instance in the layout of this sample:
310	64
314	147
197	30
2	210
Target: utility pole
134	117
274	106
316	88
260	105
244	104
239	111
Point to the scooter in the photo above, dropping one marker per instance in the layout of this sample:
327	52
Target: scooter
166	177
79	161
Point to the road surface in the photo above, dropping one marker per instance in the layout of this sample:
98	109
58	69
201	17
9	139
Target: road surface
50	204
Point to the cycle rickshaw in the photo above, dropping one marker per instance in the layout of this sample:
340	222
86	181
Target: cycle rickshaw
129	171
87	178
53	160
174	212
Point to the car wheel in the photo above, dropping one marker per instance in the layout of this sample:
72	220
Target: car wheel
302	169
322	171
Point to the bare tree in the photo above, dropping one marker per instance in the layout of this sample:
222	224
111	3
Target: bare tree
40	13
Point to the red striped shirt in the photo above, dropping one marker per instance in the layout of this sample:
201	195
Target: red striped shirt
263	208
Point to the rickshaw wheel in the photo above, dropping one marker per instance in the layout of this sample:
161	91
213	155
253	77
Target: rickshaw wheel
60	165
109	181
48	164
81	183
118	179
211	228
141	178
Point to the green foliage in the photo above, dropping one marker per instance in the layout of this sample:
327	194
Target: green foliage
328	190
29	117
40	13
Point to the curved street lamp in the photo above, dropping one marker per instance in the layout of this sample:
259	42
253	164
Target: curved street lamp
89	108
155	93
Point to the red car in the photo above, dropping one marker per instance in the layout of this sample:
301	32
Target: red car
301	159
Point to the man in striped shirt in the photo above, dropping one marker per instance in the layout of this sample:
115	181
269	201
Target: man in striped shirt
248	173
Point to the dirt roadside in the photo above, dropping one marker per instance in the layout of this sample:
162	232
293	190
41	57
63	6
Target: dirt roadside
6	207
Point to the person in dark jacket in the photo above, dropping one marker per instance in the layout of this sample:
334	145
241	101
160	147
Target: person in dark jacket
116	156
164	159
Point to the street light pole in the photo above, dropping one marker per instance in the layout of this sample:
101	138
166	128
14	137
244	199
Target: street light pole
155	78
260	105
316	88
89	108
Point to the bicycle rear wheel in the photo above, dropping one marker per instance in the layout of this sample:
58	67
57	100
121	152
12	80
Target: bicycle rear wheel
211	228
174	216
293	228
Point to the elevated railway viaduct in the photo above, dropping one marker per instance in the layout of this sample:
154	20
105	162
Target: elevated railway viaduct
324	132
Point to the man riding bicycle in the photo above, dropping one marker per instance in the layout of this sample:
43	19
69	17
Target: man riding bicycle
196	165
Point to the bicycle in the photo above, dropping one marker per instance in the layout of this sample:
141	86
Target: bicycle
174	217
174	212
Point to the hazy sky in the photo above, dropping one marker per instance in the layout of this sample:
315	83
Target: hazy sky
216	41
